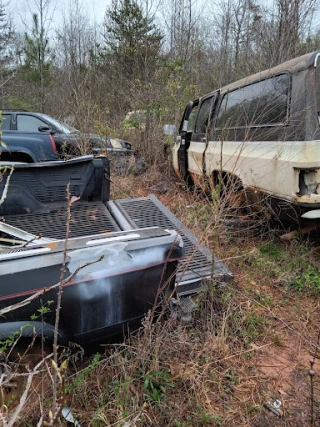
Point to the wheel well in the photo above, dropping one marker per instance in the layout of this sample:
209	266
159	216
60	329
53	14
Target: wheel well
16	157
227	181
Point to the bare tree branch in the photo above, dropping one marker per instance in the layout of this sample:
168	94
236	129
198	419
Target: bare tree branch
5	191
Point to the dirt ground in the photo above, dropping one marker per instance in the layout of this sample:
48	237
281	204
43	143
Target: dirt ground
276	364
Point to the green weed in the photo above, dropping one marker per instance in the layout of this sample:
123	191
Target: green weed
206	419
308	281
156	385
272	250
5	344
252	408
43	310
82	375
232	377
253	326
200	215
9	342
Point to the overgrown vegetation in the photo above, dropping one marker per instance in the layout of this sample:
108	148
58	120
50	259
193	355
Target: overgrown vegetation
240	350
248	343
135	70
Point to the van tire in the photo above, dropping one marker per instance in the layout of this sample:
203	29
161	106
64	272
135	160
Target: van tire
229	191
228	183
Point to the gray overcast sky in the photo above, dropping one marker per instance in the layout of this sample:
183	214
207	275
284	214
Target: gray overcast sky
21	9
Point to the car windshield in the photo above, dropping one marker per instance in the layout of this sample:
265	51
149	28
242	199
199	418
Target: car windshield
61	126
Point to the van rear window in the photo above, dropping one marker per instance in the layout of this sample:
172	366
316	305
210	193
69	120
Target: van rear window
203	116
192	118
259	104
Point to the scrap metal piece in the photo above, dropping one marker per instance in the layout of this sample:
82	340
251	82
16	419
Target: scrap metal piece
21	234
198	264
67	415
275	407
187	307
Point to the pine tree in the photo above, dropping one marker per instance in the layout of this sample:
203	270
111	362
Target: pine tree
132	40
6	39
7	57
38	58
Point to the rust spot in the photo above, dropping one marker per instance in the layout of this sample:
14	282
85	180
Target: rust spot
178	173
198	180
52	245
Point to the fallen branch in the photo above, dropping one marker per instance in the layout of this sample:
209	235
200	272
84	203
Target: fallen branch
55	408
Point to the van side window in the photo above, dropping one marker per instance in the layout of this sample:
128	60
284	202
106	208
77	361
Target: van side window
260	104
203	116
192	118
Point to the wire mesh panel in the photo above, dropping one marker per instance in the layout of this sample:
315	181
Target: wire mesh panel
87	218
198	263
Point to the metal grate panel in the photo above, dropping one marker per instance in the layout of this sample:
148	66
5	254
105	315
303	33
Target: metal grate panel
87	218
197	264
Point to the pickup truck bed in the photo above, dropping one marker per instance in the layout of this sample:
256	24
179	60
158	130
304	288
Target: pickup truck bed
139	238
125	215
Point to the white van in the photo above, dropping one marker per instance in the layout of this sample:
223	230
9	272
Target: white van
262	132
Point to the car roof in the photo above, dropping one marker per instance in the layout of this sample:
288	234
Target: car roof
7	110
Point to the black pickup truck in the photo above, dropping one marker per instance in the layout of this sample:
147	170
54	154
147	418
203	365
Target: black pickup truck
27	147
140	239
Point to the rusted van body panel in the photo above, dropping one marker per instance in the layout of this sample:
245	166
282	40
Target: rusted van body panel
264	130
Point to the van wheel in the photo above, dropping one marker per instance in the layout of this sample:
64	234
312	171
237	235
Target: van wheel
229	196
225	186
17	366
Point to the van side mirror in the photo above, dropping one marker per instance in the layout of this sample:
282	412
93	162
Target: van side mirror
170	130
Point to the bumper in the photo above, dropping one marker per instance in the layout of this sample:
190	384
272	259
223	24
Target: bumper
308	200
311	204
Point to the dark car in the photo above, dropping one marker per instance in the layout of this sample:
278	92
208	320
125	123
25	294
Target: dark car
68	139
71	142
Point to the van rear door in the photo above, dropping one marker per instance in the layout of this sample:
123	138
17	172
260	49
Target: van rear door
180	161
200	135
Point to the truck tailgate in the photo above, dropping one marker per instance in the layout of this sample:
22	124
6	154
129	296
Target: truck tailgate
198	263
